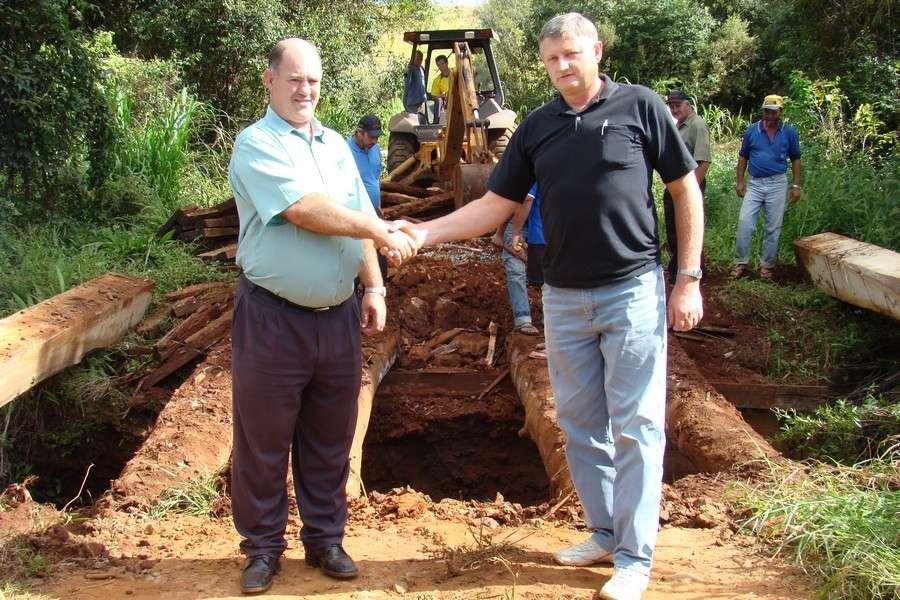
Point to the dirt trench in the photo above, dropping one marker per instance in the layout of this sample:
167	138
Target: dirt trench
436	424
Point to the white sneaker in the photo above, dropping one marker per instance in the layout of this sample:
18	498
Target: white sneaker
625	584
584	554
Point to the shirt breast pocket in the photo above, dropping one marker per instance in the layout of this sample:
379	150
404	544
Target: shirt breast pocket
619	146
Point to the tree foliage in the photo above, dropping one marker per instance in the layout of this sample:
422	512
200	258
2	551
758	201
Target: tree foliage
52	112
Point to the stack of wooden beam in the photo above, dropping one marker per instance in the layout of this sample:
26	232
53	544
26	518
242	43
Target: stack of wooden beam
216	229
402	201
207	309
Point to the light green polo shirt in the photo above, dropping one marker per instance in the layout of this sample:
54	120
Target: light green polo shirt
272	166
695	134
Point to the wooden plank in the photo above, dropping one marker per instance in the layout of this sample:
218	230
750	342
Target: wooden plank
859	273
226	221
198	289
190	235
44	339
766	396
392	187
225	253
196	345
419	206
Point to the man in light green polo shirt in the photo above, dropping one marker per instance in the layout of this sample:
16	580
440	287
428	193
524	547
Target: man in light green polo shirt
307	229
695	133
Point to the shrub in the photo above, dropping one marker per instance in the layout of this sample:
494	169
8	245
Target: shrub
52	112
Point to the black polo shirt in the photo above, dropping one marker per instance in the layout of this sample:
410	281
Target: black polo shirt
594	171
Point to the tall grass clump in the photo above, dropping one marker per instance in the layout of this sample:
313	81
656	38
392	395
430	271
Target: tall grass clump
838	523
158	150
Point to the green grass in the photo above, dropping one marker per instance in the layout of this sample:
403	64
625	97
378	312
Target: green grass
809	334
838	523
842	432
198	497
19	591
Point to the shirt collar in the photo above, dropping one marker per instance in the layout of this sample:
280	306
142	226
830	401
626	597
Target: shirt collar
282	127
762	128
606	90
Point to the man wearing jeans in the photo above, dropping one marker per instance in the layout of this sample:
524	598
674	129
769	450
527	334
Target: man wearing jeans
522	270
767	146
592	151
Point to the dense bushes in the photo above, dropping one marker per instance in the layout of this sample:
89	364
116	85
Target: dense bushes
52	112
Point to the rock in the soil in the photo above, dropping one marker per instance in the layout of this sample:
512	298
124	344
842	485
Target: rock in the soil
446	313
472	344
414	316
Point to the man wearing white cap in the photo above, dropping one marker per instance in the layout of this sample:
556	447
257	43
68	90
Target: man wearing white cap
766	147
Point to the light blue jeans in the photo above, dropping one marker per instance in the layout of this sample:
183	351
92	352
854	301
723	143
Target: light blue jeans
515	282
606	350
769	195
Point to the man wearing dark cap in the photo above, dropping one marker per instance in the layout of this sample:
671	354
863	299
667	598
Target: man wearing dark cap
695	133
367	154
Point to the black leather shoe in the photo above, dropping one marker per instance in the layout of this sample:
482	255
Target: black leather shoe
258	573
333	561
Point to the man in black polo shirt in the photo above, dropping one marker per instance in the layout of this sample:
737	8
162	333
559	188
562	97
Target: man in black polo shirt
592	151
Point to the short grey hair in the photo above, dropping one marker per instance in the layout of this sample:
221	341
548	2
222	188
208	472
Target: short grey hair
572	23
278	49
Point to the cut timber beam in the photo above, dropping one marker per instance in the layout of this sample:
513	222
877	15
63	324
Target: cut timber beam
46	338
766	396
862	274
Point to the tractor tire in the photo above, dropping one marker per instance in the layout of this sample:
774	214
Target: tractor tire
498	144
400	147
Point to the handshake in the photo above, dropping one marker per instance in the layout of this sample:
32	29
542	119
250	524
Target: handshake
399	241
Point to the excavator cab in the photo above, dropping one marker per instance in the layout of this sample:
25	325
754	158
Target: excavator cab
425	147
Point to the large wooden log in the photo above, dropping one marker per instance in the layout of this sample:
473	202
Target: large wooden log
378	360
766	396
532	382
46	338
862	274
705	429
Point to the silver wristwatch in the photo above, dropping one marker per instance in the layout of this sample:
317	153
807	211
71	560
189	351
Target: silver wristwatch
694	273
380	291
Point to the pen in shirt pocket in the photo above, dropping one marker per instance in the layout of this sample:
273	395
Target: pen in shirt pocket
603	127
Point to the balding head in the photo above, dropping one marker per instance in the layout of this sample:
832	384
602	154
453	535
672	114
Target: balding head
293	78
292	45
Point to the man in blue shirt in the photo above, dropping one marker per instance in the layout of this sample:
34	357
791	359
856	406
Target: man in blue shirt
767	146
414	84
307	229
519	270
367	154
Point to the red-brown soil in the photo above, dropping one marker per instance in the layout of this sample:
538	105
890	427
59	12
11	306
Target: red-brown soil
429	430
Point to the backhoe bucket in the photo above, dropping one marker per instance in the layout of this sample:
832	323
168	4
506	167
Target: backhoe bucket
469	183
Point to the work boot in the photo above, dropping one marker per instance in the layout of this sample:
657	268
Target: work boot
766	273
625	584
584	554
738	271
333	561
258	573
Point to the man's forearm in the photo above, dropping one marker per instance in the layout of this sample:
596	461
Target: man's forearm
797	170
521	215
317	213
369	271
688	204
474	219
740	169
700	171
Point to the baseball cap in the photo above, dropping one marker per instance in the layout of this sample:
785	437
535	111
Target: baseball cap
371	125
677	96
773	102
